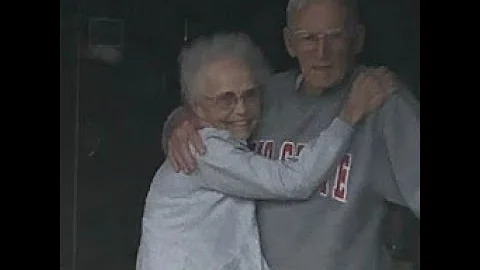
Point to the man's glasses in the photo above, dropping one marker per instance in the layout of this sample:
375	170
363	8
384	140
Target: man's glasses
308	41
228	100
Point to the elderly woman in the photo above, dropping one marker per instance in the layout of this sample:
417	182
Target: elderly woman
206	220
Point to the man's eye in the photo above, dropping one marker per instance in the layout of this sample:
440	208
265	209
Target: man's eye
335	35
251	93
308	37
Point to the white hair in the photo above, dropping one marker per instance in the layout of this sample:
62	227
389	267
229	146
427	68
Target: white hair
295	5
206	50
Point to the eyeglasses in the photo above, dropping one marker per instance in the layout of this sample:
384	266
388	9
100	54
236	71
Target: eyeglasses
228	100
308	40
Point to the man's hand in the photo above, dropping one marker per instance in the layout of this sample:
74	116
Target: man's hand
182	136
370	90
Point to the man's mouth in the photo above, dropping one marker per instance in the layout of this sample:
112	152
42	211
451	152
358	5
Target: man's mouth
321	67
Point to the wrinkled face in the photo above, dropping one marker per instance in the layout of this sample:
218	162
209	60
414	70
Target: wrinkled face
230	99
324	42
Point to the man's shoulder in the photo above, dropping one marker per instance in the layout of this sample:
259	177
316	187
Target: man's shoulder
400	110
281	83
402	98
284	76
403	95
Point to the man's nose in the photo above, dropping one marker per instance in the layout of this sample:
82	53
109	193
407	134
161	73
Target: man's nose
240	107
321	46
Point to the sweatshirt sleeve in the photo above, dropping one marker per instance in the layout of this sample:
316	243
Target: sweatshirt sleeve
230	167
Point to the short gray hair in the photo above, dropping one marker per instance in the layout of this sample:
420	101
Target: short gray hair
205	50
295	5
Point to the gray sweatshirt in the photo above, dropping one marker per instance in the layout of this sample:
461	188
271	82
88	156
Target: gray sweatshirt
340	226
206	220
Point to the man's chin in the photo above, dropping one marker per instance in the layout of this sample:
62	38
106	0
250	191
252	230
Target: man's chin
323	84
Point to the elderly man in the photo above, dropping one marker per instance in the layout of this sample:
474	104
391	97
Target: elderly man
340	226
206	220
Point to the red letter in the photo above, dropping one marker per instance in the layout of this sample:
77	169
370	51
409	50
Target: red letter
287	150
268	149
340	190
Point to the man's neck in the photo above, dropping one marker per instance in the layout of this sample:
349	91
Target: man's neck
310	90
313	91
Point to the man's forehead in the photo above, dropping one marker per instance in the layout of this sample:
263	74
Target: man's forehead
320	17
299	31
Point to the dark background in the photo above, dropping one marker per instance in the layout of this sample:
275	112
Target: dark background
121	109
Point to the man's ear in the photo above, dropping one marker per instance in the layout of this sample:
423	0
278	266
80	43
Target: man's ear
288	39
359	39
